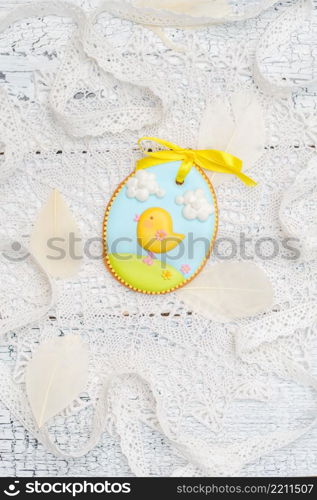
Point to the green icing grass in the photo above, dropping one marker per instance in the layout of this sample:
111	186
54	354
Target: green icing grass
138	274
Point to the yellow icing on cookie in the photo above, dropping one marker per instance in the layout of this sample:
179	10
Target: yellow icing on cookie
155	231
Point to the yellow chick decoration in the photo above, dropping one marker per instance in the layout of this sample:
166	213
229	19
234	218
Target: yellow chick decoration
155	231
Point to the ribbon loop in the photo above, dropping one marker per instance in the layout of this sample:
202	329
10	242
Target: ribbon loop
207	159
185	168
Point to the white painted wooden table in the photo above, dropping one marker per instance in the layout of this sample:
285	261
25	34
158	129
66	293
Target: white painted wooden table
21	455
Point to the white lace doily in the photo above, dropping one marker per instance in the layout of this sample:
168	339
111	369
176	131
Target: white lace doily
169	392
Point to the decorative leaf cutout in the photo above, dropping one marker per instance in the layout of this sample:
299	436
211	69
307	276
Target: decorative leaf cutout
195	8
235	125
230	290
54	239
56	375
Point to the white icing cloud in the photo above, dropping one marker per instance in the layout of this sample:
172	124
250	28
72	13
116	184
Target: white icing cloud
142	185
196	205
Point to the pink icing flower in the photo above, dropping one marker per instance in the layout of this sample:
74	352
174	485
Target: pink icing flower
185	268
148	260
136	218
160	234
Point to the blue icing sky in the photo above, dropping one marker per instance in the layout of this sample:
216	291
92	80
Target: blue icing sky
121	223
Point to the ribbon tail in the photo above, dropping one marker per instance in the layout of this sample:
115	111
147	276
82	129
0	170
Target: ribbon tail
219	161
246	180
231	171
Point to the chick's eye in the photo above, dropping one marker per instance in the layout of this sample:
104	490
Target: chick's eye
151	217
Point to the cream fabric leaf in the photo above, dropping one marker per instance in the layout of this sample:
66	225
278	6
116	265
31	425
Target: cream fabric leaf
54	239
181	376
56	375
195	8
229	290
184	13
236	125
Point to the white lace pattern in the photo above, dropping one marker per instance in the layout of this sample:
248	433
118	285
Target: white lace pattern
164	382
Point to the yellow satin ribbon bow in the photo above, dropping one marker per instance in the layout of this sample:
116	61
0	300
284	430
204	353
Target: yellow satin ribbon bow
207	159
